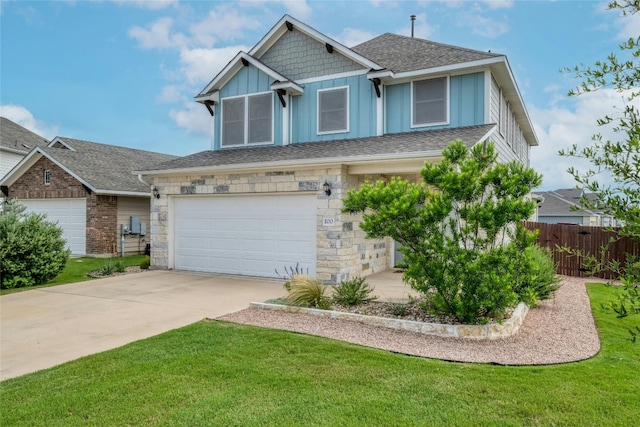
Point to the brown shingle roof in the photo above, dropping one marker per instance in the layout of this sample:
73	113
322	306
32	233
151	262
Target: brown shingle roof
345	150
17	138
401	53
106	168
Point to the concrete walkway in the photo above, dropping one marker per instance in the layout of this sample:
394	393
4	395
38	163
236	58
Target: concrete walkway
45	327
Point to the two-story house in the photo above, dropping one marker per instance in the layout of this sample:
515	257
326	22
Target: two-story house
298	121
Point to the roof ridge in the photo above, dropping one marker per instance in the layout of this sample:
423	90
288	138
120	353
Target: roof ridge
110	146
432	42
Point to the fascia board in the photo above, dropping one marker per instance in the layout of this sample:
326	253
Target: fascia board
122	193
14	150
504	77
381	74
215	97
291	87
276	32
296	163
232	68
22	167
57	139
446	69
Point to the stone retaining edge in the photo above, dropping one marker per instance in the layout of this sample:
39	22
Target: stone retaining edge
488	331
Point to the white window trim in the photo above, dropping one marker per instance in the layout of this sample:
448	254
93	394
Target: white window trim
447	99
47	177
346	130
246	121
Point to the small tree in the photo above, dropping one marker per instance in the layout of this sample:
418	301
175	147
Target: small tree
32	250
617	160
460	231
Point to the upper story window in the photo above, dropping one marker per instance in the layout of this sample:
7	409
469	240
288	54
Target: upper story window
47	177
247	119
333	110
430	102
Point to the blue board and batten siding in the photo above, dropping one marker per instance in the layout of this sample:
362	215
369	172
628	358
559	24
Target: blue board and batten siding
362	110
248	80
466	104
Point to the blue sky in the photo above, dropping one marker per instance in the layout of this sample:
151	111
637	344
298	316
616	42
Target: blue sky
124	72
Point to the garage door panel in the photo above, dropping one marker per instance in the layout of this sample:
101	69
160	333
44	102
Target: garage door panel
249	235
68	214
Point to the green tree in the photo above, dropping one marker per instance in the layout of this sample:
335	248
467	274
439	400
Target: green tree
459	230
614	175
617	161
32	250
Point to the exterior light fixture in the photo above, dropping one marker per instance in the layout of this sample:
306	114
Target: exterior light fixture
327	188
156	192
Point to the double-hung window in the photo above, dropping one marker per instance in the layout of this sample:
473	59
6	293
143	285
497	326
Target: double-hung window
247	120
47	177
430	102
333	110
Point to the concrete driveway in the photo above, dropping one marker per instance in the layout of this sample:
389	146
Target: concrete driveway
45	327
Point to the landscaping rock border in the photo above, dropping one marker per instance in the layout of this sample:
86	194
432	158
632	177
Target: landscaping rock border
559	330
488	331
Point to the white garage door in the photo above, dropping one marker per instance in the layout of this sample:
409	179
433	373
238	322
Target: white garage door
70	214
246	235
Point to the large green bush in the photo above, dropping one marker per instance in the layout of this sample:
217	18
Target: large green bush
32	250
460	229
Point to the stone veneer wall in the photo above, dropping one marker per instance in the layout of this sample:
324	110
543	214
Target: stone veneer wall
101	210
342	250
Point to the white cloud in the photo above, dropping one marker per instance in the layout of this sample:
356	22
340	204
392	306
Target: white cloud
199	66
299	9
223	23
170	94
158	35
24	117
559	127
351	37
193	117
629	26
498	4
421	28
148	4
484	26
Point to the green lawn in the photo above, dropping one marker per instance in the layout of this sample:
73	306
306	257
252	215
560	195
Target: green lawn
221	374
76	270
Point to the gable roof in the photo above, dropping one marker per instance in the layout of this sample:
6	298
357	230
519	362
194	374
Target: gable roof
104	169
287	22
18	139
357	151
234	66
403	54
389	57
563	202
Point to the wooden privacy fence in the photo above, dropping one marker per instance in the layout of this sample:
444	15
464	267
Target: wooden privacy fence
586	239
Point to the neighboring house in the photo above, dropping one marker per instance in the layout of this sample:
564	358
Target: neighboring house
563	206
301	119
90	190
15	143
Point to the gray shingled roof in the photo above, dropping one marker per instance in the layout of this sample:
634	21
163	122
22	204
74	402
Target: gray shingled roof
346	149
107	168
560	203
401	53
17	138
